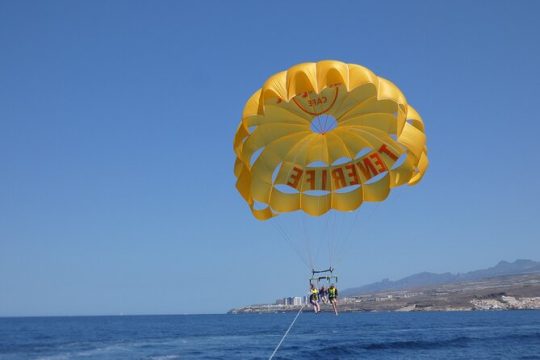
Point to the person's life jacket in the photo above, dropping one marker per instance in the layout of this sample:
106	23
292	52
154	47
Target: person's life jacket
332	292
314	294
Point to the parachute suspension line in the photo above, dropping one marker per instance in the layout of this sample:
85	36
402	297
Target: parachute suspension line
374	210
327	236
367	219
307	243
286	332
335	235
307	239
287	238
319	125
345	229
316	238
342	243
340	225
319	245
308	257
332	238
355	223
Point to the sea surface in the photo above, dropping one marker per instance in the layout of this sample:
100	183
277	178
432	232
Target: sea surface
419	335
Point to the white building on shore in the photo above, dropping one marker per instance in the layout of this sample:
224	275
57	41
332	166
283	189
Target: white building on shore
292	301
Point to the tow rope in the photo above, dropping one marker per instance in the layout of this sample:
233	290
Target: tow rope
286	332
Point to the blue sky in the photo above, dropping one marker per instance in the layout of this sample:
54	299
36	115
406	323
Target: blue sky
116	125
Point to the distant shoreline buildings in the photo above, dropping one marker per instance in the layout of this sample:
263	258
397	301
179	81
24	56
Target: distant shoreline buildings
293	300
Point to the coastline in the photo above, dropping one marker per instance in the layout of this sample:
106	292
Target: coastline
516	292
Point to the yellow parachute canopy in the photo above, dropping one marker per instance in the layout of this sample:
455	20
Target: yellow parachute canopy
324	136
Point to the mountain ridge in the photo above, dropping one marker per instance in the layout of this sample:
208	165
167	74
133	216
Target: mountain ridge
502	268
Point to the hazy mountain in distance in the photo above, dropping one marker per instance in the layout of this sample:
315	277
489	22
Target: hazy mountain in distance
503	268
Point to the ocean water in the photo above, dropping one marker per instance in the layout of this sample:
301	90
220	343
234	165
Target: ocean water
439	335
